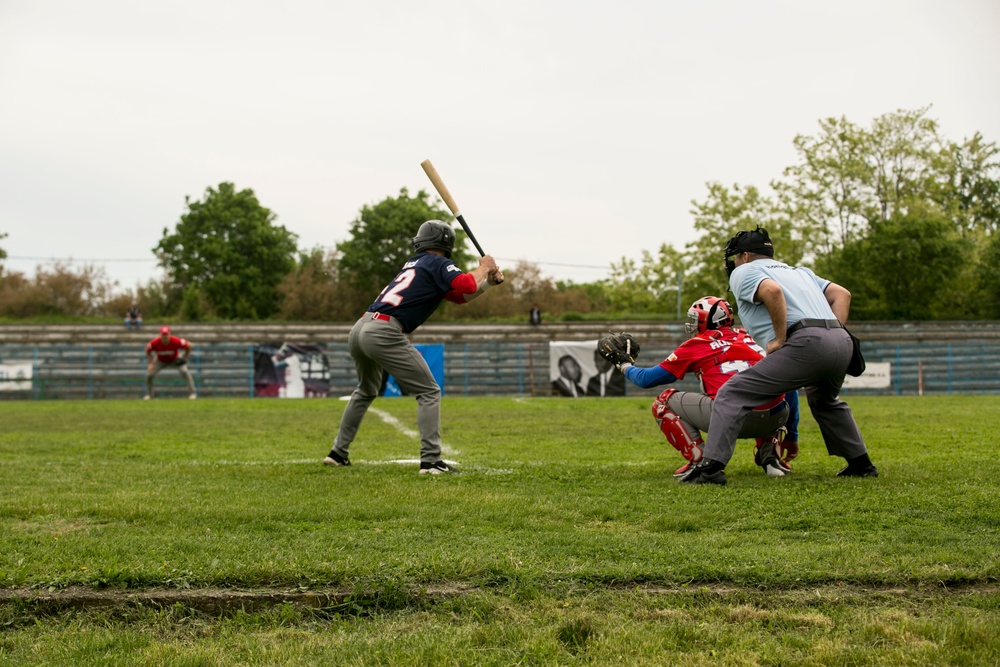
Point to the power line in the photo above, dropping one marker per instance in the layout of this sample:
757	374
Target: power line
570	266
71	260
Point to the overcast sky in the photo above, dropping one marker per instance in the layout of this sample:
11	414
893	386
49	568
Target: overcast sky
572	133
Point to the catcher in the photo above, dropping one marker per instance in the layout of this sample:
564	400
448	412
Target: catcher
168	351
715	353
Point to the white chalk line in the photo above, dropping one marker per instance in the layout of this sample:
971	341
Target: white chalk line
381	414
410	433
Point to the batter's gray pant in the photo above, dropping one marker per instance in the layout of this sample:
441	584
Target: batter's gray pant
159	366
814	358
377	345
695	412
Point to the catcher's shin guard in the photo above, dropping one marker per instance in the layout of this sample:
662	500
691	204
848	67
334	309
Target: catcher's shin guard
674	430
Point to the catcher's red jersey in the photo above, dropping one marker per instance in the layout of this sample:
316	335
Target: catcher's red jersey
714	356
165	354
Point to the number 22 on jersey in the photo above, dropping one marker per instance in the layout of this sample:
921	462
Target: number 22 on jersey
393	292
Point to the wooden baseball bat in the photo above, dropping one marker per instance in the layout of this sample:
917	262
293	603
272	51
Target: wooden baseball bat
449	202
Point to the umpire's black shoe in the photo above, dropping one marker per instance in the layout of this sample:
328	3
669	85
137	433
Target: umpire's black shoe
335	459
706	471
860	466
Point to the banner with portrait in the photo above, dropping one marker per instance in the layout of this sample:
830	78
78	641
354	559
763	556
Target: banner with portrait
576	369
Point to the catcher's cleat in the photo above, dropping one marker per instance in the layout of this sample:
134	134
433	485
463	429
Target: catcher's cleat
335	459
706	471
683	469
765	455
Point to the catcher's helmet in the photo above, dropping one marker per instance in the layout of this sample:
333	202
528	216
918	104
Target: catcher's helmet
435	235
709	312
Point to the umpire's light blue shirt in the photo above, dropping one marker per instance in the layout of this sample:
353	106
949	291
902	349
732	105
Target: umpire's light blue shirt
803	290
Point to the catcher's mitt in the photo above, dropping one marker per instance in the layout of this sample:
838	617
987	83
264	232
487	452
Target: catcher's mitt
619	348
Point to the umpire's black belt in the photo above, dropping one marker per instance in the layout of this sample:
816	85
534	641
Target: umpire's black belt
825	324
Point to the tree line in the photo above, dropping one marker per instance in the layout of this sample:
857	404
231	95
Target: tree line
903	217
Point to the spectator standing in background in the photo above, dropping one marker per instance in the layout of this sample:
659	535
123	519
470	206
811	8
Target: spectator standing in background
535	318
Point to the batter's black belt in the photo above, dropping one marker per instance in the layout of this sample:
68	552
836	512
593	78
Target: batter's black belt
806	323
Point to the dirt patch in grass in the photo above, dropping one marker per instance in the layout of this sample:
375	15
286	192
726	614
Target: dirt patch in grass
212	601
221	601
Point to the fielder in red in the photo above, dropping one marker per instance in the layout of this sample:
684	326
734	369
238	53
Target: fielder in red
716	352
168	351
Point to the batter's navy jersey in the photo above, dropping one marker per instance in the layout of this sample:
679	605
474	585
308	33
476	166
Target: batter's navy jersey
418	289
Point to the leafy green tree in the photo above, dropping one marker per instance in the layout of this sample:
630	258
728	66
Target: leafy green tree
227	250
988	271
902	266
381	240
969	189
652	285
313	292
848	177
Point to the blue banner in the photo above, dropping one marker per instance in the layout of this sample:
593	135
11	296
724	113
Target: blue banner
433	354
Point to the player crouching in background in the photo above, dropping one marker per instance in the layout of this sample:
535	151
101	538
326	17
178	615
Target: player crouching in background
715	353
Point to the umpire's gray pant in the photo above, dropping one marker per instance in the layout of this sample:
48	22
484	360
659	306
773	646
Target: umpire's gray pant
377	345
814	358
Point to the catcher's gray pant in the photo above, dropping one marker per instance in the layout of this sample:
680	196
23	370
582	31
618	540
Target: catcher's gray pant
814	358
376	345
695	412
159	366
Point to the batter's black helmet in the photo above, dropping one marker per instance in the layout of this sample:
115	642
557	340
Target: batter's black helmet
435	235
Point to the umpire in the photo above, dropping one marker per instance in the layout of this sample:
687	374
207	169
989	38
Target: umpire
801	317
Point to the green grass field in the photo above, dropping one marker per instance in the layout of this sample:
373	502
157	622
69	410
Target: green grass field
208	533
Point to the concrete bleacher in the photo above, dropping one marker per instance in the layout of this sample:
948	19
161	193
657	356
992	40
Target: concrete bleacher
105	361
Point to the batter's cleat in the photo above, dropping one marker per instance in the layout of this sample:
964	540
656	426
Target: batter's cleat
335	459
436	468
706	471
683	469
